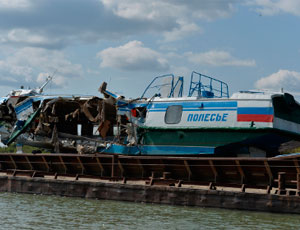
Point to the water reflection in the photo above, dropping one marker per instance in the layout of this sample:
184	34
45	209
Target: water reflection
21	211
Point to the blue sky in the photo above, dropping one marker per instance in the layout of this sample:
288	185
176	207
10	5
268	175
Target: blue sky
250	44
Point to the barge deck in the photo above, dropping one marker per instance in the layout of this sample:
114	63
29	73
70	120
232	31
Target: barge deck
261	184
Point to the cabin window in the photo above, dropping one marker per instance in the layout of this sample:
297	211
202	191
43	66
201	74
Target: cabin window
173	114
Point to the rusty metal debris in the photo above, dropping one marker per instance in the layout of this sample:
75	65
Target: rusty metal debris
66	124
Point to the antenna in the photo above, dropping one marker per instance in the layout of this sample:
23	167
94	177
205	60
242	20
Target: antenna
49	78
40	90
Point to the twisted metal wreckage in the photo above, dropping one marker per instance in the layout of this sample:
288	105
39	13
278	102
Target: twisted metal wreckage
56	122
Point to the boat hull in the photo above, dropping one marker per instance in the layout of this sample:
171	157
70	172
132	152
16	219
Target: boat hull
227	142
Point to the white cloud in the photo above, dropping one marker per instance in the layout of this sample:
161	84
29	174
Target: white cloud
218	58
272	7
133	56
58	80
15	4
42	77
286	79
184	13
133	9
53	24
182	31
176	9
27	66
181	71
28	38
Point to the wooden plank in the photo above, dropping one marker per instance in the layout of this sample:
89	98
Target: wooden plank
243	188
46	163
100	165
63	163
81	165
296	163
121	167
269	171
13	161
240	169
113	162
141	167
213	168
298	184
211	186
29	163
281	183
188	168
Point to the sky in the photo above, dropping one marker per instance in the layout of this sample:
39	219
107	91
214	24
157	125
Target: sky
249	44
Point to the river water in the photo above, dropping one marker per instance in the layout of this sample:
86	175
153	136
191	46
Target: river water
23	211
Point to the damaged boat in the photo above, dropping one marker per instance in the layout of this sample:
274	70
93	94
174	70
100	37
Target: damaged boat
205	122
8	114
58	123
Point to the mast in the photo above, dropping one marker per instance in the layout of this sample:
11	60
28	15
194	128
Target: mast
40	90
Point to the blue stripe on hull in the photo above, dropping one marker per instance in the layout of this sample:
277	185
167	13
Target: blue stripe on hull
230	104
256	110
157	150
187	106
19	109
193	110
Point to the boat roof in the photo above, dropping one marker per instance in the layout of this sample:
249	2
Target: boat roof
255	94
65	96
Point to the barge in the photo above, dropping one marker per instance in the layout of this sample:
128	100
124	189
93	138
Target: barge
258	184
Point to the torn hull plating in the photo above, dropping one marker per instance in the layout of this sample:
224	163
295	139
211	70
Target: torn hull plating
59	123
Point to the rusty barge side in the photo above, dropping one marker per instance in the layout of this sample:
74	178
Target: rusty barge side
262	184
152	194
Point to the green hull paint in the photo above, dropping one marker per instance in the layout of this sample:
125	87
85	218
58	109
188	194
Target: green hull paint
209	137
18	132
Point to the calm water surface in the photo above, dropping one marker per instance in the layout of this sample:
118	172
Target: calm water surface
21	211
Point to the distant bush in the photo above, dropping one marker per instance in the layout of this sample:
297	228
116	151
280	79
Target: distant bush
26	149
9	149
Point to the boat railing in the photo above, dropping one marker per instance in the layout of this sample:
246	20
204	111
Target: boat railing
165	86
208	87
